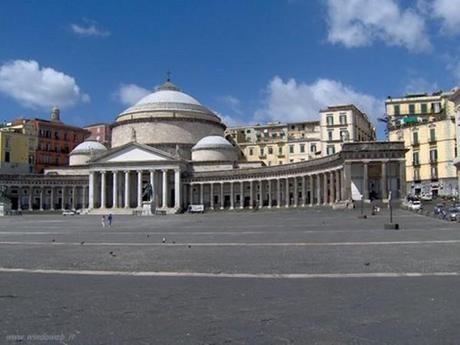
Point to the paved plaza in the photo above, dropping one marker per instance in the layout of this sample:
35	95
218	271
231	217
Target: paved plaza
304	276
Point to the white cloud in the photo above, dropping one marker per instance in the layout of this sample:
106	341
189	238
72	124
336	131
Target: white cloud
420	85
448	11
38	87
233	103
357	23
291	101
129	94
89	29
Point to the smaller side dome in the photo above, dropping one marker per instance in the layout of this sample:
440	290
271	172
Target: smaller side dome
84	151
213	148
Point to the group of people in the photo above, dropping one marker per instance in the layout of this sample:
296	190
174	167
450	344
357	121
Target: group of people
106	220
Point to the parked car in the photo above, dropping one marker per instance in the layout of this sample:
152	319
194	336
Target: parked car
438	208
427	197
415	205
453	213
69	213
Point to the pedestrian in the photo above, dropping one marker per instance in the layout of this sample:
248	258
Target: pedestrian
103	221
109	220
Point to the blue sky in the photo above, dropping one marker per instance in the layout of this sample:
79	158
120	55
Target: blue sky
250	61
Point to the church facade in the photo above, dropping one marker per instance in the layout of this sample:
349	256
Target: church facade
169	152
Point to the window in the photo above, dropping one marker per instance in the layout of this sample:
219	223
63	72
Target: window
415	158
432	134
417	174
433	155
7	156
414	138
424	108
280	163
280	150
261	151
291	148
330	150
343	134
251	151
330	120
313	148
329	135
434	172
343	119
411	109
7	142
397	109
302	148
270	150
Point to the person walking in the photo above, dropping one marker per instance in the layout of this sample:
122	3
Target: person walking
103	221
109	220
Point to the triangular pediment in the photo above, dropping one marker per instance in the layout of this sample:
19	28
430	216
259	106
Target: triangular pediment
134	152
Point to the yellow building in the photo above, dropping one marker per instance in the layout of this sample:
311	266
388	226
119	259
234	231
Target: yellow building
426	124
277	143
17	149
343	123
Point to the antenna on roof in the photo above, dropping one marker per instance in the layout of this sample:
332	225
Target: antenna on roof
168	75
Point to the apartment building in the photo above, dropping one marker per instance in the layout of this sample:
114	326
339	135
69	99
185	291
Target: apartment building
426	124
17	149
343	123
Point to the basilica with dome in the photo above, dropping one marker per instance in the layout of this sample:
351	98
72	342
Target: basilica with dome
169	152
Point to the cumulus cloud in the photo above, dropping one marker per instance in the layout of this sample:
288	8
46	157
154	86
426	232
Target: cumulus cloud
292	101
448	11
89	29
33	86
357	23
129	94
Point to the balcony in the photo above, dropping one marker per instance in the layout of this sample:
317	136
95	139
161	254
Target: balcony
432	140
415	143
433	160
415	163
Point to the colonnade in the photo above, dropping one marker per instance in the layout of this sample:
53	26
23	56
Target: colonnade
125	189
52	198
323	188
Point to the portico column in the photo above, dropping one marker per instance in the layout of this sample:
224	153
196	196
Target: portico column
278	193
190	193
19	199
127	189
74	197
63	198
304	194
318	189
211	191
296	195
338	193
52	199
346	181
287	192
115	189
383	181
31	192
83	191
222	195
402	179
41	198
91	190
177	189
326	190
312	193
241	194
261	194
332	186
251	194
139	188
269	193
103	189
365	189
165	187
231	196
201	193
152	186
